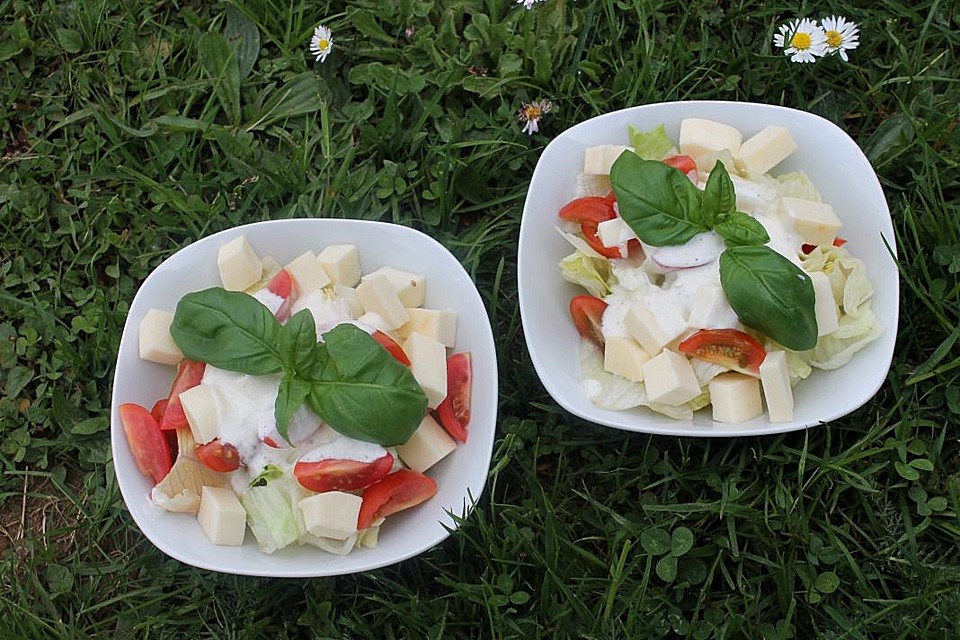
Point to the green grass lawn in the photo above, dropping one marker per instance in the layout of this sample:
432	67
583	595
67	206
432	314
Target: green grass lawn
128	130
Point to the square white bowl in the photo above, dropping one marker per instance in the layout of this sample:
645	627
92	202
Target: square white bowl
839	170
460	476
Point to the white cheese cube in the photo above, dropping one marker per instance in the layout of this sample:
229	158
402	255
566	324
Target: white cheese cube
775	378
670	379
735	397
705	140
598	160
238	264
428	364
767	148
374	320
429	444
349	296
436	324
824	305
200	407
331	514
377	295
342	263
654	328
221	516
711	310
815	221
307	273
411	287
625	357
156	344
753	196
614	232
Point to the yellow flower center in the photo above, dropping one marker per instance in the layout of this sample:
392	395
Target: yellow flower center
532	112
800	41
834	39
323	44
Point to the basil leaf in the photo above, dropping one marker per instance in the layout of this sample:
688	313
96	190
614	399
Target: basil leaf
228	329
741	229
657	201
719	197
290	395
361	391
771	294
298	339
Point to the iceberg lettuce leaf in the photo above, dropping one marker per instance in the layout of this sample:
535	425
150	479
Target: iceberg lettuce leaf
593	274
654	144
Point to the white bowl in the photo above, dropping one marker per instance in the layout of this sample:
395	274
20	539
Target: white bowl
828	156
460	476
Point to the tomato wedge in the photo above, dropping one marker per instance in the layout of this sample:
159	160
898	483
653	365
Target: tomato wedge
341	474
454	412
392	346
189	375
595	209
148	445
685	164
281	285
587	313
219	456
159	407
728	347
400	490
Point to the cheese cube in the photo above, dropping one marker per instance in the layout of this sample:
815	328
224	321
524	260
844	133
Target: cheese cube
307	273
775	378
670	379
411	287
342	263
156	344
625	357
753	196
654	330
705	140
711	310
614	232
735	397
428	364
238	264
815	221
824	305
221	516
349	296
200	408
598	160
331	514
767	148
374	320
436	324
377	295
429	444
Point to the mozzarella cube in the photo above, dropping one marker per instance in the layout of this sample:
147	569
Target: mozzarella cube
824	305
706	140
735	397
221	516
378	296
428	364
598	160
429	444
411	287
815	222
625	357
156	344
307	273
342	263
436	324
200	407
331	514
654	330
767	148
670	379
614	232
350	297
238	264
374	320
775	378
711	310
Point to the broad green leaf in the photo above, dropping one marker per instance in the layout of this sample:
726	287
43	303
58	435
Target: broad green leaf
70	40
300	95
827	582
90	426
290	396
655	541
905	471
220	63
681	541
719	197
666	568
244	38
740	229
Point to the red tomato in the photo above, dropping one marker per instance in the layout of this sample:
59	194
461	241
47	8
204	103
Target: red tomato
400	490
391	345
593	209
339	474
728	347
454	411
281	285
685	164
159	407
589	231
587	313
147	444
189	375
218	456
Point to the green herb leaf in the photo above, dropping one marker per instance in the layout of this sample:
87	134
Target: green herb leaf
290	395
270	472
659	202
360	390
719	198
298	340
741	229
770	293
228	329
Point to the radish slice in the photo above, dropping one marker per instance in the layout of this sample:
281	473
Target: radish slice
702	249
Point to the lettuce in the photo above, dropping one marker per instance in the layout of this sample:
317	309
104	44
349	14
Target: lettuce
593	274
651	145
590	184
796	185
270	515
838	348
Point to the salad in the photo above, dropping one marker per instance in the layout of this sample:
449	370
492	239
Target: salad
308	400
708	278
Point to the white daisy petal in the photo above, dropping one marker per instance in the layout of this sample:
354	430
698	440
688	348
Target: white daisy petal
321	43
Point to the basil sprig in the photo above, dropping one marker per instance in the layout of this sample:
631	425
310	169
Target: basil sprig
349	380
663	207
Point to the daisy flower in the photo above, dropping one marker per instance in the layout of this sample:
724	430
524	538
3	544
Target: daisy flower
531	113
528	4
321	43
802	40
842	35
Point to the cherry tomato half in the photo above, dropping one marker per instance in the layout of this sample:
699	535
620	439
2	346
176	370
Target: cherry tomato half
454	412
281	285
685	164
148	445
218	456
400	490
189	375
392	346
593	209
728	347
587	313
341	474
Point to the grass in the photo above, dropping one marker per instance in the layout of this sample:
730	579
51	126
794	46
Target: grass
127	130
